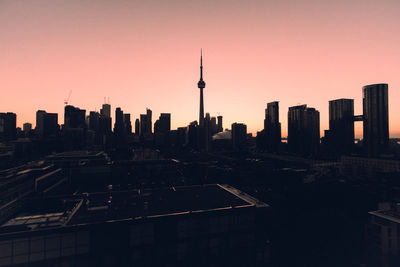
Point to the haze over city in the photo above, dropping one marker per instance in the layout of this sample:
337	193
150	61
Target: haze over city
146	54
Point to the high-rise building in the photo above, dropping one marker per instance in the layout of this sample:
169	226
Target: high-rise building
303	130
137	127
149	120
164	122
106	110
375	118
145	123
119	128
220	126
239	136
213	126
8	125
272	127
340	136
93	122
127	123
201	84
74	117
46	124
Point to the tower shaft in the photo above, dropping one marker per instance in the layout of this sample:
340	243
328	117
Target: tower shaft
201	115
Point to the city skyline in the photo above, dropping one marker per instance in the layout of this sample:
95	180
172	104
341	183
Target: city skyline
254	61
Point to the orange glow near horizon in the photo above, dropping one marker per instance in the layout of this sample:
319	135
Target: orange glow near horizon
147	54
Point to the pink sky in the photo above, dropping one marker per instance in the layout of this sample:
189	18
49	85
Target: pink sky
146	54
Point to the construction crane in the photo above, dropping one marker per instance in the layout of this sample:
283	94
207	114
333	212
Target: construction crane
66	100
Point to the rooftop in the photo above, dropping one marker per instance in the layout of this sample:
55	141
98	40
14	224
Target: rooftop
131	205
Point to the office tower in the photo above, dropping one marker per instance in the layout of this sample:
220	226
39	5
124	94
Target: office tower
272	127
149	120
104	125
74	117
143	124
106	110
303	130
220	126
93	122
46	124
201	84
375	118
137	126
340	136
239	136
127	123
193	135
157	126
164	123
205	133
213	126
27	127
119	128
8	125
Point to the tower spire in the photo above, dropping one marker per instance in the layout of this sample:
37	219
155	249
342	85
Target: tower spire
201	64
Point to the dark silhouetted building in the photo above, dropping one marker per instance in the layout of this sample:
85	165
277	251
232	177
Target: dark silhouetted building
145	123
127	123
239	136
272	127
383	236
8	125
375	118
164	122
46	124
27	128
106	110
119	128
74	130
340	137
220	126
74	117
149	121
213	125
303	130
137	126
207	225
93	121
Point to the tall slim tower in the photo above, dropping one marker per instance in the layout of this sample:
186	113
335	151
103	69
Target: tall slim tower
201	84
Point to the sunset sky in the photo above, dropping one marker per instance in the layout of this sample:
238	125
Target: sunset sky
147	53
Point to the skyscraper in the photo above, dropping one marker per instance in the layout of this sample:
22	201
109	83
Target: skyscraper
272	127
46	124
127	123
239	136
149	120
106	110
74	117
8	125
375	118
201	84
220	126
137	127
164	122
303	130
340	136
119	128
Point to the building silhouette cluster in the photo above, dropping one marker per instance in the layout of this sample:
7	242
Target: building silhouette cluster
196	195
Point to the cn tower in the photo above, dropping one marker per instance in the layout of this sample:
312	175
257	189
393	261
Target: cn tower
201	84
